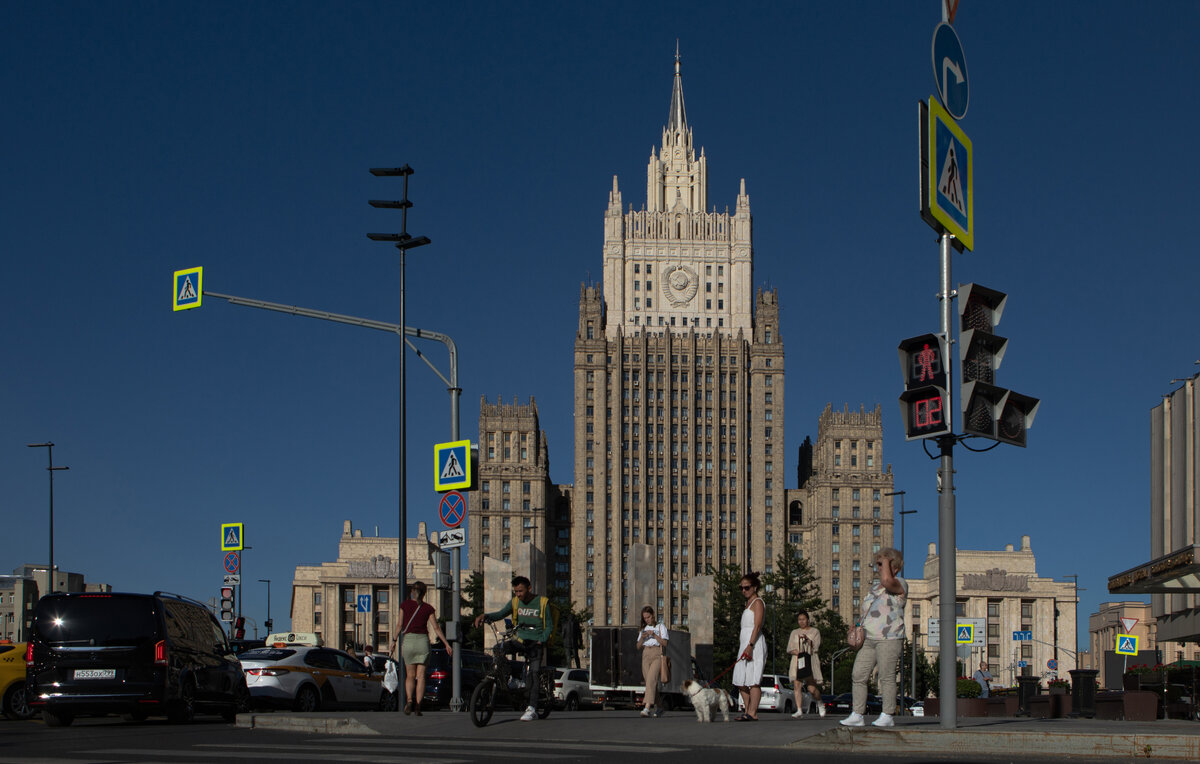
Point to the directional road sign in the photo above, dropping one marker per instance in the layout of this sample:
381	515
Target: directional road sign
364	603
976	625
950	70
453	509
1022	664
1127	644
949	183
188	288
232	537
452	538
1023	636
233	562
452	466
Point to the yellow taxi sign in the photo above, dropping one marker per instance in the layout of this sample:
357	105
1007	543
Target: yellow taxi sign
232	537
189	288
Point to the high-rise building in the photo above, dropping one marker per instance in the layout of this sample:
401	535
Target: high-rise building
841	514
679	394
516	503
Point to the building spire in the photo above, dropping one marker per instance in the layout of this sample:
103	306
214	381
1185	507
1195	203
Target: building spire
677	120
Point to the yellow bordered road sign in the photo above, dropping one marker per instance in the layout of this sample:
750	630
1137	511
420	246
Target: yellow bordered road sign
1127	644
189	288
452	466
233	537
950	178
964	634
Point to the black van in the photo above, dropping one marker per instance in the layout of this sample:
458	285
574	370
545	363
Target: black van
133	654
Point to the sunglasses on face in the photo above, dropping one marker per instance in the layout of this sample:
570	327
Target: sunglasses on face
747	588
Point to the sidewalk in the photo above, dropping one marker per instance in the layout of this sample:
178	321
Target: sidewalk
1163	739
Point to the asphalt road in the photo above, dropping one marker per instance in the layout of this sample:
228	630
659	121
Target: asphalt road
111	741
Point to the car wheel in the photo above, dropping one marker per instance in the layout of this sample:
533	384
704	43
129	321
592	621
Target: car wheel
241	702
787	707
183	710
137	715
572	702
307	699
56	718
15	706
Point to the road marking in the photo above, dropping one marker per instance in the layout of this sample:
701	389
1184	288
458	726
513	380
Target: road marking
175	755
517	743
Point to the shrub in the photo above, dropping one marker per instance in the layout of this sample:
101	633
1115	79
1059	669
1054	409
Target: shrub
968	688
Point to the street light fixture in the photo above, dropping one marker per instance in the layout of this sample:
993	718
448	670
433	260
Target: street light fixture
50	452
267	624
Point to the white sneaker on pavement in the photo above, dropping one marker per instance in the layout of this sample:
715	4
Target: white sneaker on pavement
853	720
798	714
821	709
646	711
529	715
884	720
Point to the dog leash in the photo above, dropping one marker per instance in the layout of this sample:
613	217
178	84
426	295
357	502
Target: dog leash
709	683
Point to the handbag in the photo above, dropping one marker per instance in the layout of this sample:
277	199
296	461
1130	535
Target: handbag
856	636
801	662
664	670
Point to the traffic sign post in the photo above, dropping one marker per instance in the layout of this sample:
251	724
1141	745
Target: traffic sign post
1128	623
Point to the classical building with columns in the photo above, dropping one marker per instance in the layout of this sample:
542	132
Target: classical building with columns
1001	588
679	394
325	596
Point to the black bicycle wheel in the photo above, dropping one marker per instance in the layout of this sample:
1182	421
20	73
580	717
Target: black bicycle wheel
545	694
482	703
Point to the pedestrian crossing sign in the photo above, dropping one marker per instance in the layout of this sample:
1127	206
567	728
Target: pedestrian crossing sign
965	634
232	537
188	288
452	466
1127	644
950	179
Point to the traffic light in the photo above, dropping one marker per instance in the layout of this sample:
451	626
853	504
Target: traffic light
239	628
988	411
227	604
441	570
923	404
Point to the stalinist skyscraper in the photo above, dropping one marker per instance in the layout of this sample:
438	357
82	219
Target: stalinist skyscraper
679	394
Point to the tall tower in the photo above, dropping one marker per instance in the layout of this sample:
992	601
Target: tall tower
679	394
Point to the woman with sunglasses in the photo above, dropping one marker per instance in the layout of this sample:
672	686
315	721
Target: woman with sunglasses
752	651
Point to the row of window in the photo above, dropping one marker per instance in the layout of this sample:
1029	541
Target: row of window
637	268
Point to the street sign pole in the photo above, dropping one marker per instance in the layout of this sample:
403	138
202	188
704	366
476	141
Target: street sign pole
947	564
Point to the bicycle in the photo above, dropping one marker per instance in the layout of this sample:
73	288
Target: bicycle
497	688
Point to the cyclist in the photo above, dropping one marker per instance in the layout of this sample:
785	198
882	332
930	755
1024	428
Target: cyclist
534	617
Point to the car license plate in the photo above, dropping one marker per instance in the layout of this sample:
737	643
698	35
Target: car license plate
95	673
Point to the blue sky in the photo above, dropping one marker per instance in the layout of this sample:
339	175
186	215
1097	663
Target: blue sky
142	138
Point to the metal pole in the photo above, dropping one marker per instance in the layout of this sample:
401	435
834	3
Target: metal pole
947	564
456	698
52	584
905	556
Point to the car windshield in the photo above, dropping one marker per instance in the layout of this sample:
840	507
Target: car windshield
266	654
96	620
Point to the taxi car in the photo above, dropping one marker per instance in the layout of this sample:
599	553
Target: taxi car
12	680
310	678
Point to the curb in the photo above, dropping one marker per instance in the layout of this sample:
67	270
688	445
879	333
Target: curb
965	742
295	722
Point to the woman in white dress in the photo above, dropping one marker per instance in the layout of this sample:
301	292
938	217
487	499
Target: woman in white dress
752	650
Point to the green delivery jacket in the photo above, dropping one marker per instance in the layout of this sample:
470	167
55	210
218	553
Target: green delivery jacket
536	620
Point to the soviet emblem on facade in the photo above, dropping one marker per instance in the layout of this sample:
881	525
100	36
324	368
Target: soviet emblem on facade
679	284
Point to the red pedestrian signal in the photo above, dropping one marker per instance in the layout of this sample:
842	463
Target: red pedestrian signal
923	404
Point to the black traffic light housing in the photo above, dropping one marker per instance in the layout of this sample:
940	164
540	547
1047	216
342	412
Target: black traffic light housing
923	404
987	410
227	603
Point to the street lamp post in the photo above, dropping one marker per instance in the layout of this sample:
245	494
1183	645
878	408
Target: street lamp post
50	452
904	554
267	624
1075	578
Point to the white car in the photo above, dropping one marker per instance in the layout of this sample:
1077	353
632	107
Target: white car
310	679
572	688
777	694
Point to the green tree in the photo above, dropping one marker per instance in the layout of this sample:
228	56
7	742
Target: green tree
471	606
793	587
728	605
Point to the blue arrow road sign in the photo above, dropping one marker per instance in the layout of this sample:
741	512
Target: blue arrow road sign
950	70
1022	664
364	603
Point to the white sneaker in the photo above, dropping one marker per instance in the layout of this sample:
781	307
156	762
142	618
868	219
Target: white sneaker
884	720
821	709
529	715
853	720
646	711
798	714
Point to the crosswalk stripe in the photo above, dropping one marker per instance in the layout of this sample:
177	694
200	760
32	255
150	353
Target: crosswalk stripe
509	742
176	755
394	745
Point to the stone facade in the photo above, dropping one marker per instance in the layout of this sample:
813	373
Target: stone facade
516	503
1004	589
679	394
325	596
842	514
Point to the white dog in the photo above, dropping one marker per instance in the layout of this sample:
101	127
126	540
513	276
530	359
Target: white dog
707	700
